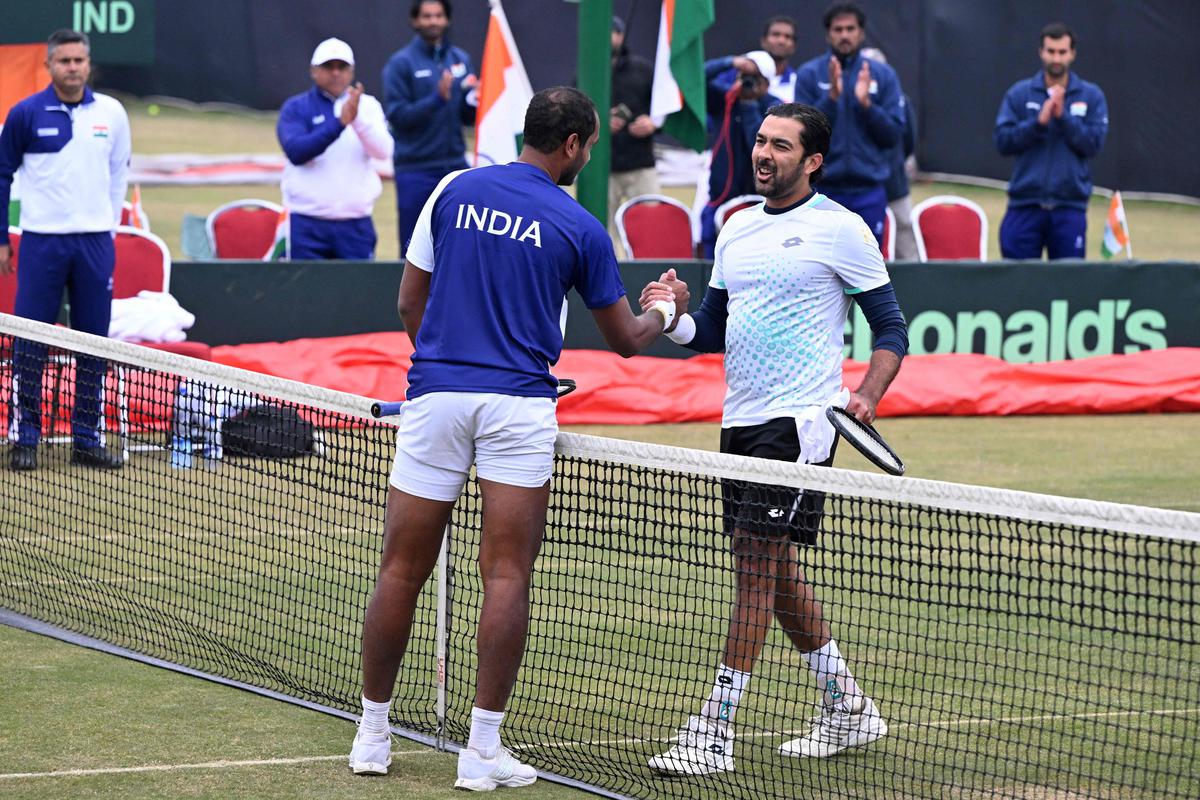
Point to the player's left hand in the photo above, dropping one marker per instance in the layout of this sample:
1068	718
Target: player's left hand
862	86
470	82
862	407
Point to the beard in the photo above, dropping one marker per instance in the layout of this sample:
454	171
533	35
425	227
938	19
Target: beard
780	183
1056	70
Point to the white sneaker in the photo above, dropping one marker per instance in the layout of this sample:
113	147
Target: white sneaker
481	774
702	748
839	729
371	755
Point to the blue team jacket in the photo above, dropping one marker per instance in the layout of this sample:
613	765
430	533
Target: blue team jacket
427	129
859	151
1052	166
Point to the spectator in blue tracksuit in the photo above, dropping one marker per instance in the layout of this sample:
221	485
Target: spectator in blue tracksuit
863	100
899	196
428	95
330	134
72	147
1054	123
735	116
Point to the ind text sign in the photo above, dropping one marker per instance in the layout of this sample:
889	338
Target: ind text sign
121	31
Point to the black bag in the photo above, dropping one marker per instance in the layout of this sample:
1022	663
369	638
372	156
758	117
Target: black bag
267	432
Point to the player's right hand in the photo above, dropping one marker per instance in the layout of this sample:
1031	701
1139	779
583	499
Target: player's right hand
5	259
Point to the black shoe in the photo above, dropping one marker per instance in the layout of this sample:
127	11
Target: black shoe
24	457
97	456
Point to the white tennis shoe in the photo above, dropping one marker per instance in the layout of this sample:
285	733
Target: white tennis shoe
702	748
481	774
839	729
371	755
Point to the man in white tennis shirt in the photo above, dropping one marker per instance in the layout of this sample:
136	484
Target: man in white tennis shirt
493	255
783	277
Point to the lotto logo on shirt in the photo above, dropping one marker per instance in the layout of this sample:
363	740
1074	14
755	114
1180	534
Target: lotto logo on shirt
100	131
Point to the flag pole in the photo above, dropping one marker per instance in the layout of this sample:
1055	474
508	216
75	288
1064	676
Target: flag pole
594	67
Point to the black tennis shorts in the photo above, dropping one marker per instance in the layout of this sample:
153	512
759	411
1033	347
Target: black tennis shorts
771	510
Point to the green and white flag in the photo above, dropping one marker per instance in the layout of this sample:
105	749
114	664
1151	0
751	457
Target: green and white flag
677	98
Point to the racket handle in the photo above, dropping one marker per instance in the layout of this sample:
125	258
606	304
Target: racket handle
386	409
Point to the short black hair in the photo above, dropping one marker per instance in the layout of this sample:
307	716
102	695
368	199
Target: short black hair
842	9
777	19
554	114
416	7
66	36
1057	30
815	130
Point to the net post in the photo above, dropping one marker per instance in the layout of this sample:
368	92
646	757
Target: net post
441	634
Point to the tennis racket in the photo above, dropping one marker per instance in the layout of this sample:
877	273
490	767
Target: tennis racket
565	387
865	439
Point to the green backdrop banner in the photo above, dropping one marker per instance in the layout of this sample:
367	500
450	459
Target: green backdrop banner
1021	312
121	31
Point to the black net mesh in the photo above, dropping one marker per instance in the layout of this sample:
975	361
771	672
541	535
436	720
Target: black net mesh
1009	658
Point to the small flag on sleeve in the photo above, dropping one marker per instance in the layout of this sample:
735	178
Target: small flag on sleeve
1116	230
281	247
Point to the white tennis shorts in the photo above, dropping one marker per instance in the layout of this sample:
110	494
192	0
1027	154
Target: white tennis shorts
509	439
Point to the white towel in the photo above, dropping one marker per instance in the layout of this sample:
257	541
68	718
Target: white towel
815	431
149	317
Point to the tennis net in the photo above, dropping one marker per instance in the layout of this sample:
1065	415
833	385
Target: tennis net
1018	645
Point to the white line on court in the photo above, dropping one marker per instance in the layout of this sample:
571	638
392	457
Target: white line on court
952	723
266	762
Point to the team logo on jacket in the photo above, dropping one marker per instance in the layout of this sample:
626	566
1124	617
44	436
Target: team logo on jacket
498	223
100	131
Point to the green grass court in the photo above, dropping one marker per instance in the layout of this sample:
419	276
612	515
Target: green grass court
249	554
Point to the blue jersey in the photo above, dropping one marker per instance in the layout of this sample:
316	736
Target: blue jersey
504	245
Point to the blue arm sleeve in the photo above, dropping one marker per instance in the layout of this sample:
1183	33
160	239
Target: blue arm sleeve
13	140
710	322
402	109
299	144
883	314
466	111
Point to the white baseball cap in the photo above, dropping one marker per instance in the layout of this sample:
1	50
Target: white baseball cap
762	59
332	50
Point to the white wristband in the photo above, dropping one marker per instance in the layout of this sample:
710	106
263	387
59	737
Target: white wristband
666	309
685	331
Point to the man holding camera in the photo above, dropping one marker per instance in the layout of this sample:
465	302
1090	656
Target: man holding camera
633	171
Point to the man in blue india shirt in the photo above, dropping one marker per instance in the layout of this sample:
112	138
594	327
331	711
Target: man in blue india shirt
494	253
72	147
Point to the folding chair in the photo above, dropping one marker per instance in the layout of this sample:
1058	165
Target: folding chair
655	226
243	229
734	205
947	227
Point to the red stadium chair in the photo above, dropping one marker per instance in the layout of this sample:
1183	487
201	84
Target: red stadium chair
144	264
655	226
734	205
243	229
889	235
950	228
8	283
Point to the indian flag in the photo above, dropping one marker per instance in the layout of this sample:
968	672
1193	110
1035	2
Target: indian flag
137	214
1116	230
280	248
677	98
504	94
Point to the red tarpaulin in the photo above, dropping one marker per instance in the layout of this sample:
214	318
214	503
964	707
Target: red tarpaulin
644	390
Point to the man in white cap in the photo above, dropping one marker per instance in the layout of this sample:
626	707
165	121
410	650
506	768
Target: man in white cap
330	134
738	100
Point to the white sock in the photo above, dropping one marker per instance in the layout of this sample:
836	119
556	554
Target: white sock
485	731
837	685
375	717
726	692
